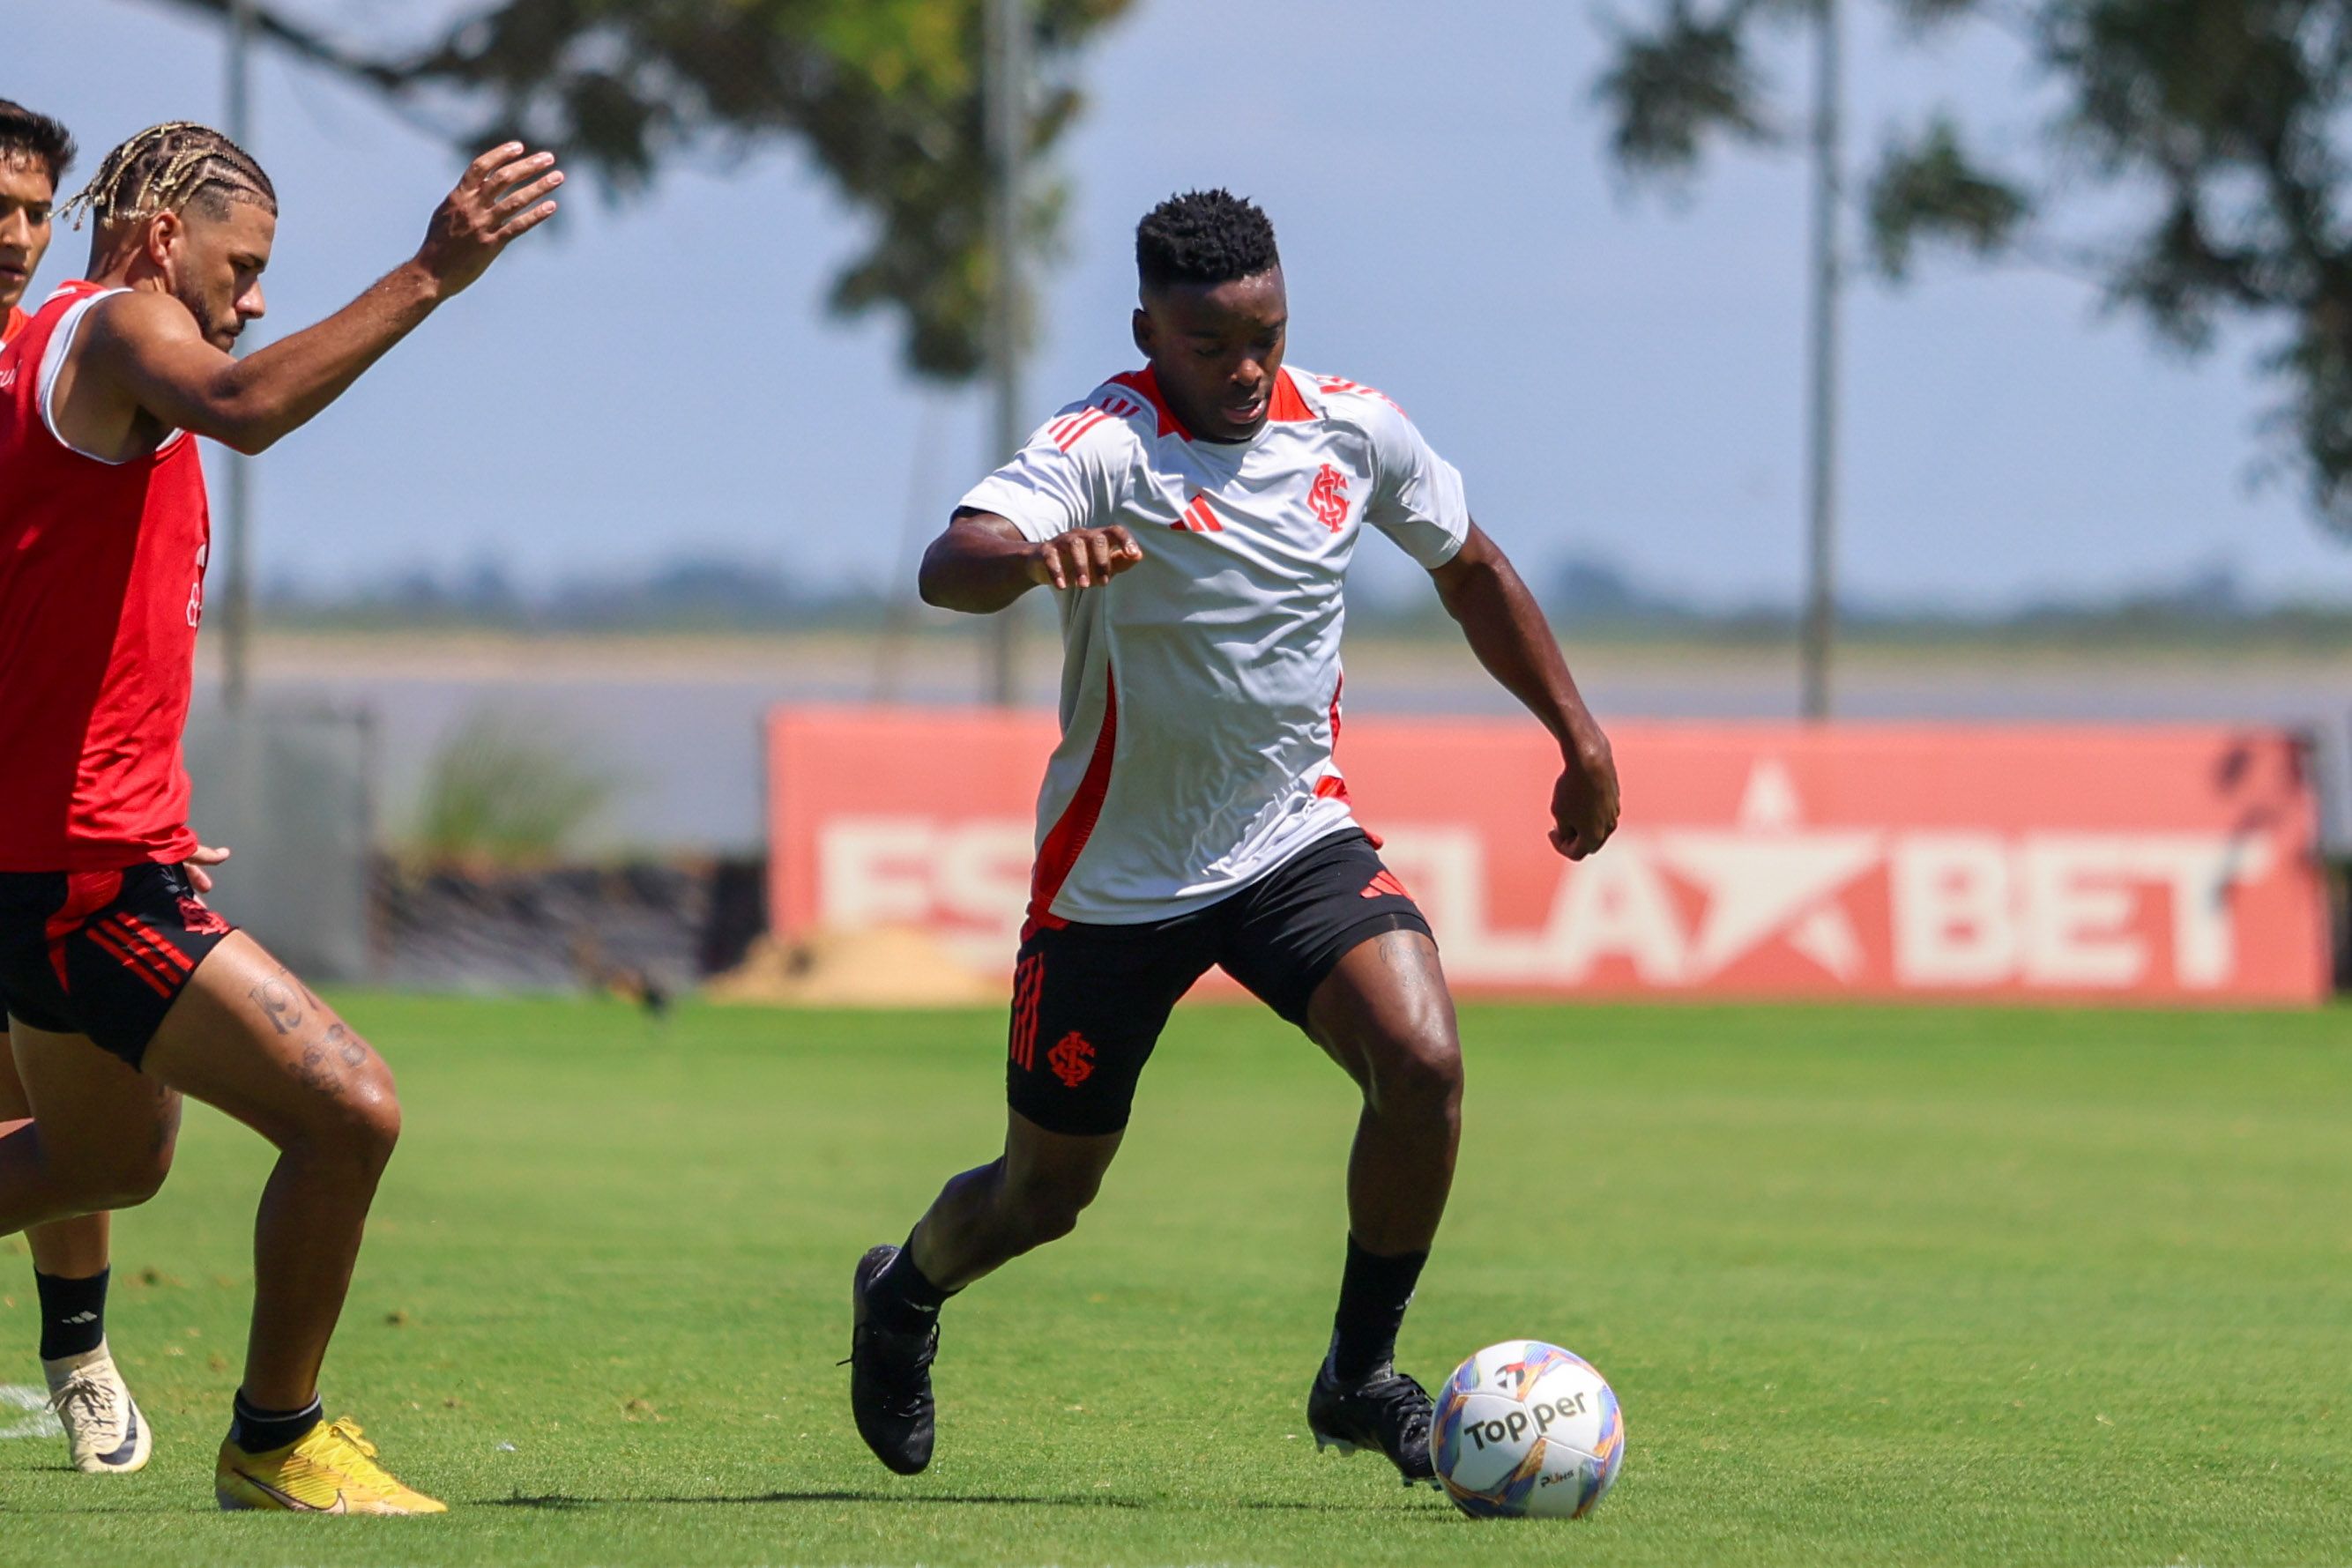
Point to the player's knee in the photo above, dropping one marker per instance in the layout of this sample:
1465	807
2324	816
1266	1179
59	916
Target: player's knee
143	1178
1049	1219
1418	1075
360	1120
134	1180
1046	1207
374	1109
117	1178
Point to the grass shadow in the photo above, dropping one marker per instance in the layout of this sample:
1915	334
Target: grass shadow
562	1502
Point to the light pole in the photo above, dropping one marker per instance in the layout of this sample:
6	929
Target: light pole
1820	631
1007	91
237	630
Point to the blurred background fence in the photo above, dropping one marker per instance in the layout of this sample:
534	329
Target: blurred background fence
526	812
290	784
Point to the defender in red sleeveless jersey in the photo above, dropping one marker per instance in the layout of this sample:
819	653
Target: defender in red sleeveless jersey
105	1432
1195	520
120	981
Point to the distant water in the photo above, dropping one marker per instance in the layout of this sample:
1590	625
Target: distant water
678	725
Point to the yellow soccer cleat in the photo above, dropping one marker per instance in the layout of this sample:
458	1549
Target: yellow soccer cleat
332	1471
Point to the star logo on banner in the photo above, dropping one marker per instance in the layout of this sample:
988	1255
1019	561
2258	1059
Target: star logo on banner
1768	875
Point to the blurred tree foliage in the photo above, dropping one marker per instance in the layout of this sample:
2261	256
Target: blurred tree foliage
509	789
885	95
2222	122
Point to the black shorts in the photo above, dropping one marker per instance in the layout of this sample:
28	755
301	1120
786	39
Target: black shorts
101	953
1090	1001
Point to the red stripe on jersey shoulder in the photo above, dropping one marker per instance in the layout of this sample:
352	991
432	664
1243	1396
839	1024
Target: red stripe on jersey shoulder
1067	840
1146	385
1286	404
1330	384
1067	430
1071	431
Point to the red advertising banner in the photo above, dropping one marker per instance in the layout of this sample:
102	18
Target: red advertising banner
2145	865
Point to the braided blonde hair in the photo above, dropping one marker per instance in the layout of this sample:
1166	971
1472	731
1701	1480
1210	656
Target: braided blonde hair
166	169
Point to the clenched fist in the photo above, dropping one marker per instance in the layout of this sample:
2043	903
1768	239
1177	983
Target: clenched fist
1084	558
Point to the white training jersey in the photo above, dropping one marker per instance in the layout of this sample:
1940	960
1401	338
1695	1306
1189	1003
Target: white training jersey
1201	687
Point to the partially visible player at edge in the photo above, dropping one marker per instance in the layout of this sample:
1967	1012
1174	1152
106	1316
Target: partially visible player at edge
124	990
105	1432
1196	518
34	153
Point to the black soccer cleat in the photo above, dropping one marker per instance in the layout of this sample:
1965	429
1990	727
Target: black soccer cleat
890	1379
1387	1411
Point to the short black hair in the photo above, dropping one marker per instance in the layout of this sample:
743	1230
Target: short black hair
1203	237
27	137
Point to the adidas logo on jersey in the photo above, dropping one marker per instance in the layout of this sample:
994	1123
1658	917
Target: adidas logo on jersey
1198	518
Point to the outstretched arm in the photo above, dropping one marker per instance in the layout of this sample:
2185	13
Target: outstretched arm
1507	630
147	350
981	563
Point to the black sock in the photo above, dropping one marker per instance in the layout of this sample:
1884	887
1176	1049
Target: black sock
1374	1295
901	1297
73	1313
257	1431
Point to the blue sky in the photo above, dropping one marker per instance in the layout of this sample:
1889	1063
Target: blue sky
1620	378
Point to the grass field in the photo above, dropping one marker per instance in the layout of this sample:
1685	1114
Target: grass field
1875	1287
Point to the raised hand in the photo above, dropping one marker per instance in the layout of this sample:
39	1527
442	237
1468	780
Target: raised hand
1084	558
497	199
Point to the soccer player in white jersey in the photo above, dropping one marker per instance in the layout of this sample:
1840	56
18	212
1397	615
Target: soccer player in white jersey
1195	520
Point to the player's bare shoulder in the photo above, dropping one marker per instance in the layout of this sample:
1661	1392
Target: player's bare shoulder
93	395
133	319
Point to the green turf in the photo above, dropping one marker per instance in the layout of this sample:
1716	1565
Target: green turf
1875	1287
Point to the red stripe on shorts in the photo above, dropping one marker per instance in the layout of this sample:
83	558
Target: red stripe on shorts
1028	983
145	937
107	942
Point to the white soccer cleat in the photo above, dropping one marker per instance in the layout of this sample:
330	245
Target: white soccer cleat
105	1433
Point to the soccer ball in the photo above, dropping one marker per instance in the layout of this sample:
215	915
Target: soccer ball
1525	1430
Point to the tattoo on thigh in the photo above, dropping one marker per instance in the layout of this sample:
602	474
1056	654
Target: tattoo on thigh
316	1070
1407	958
347	1045
280	998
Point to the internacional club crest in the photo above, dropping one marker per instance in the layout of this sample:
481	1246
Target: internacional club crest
1329	498
1072	1060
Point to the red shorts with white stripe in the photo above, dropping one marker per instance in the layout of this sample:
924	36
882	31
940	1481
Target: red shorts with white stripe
101	953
